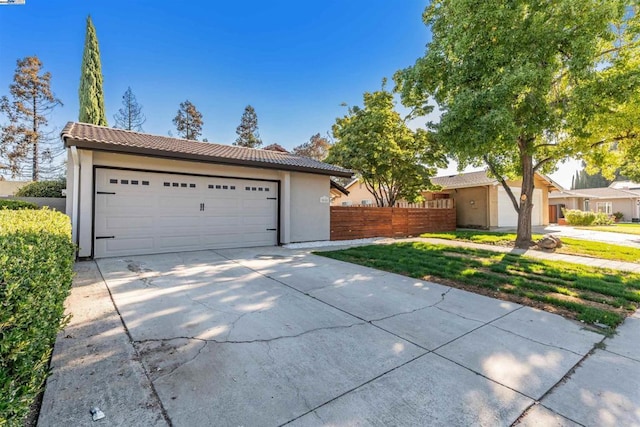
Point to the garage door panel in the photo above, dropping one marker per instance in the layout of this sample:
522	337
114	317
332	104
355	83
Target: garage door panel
175	212
507	215
125	201
222	222
179	242
126	246
125	222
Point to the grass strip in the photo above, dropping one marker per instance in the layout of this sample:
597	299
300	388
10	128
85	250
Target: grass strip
592	295
570	246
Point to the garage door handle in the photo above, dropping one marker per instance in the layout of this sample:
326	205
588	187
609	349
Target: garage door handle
202	207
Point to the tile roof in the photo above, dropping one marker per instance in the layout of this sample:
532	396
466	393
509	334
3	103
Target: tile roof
597	193
83	135
469	179
478	179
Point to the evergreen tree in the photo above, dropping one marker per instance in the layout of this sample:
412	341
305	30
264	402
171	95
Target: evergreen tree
247	131
25	144
91	93
188	121
130	116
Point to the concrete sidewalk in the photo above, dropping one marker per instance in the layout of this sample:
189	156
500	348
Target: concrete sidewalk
532	253
270	336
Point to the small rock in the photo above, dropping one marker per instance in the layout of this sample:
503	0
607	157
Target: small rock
97	414
549	241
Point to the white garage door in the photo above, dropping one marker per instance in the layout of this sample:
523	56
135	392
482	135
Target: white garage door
507	215
148	212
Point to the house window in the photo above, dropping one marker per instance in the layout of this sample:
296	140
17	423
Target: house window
604	207
587	205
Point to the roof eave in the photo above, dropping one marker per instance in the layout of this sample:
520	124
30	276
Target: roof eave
141	151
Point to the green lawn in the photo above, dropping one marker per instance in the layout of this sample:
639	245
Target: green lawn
589	294
570	246
616	228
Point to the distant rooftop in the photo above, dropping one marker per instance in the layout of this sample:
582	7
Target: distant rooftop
477	179
597	193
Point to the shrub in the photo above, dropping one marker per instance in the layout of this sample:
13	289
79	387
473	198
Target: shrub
43	189
36	269
577	217
602	219
618	216
16	204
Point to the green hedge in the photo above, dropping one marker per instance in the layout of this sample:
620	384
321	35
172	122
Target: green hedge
43	189
578	217
16	204
582	218
36	269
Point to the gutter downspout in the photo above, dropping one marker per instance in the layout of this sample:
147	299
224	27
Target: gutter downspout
76	194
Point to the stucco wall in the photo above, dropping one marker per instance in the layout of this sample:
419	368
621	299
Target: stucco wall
302	216
310	214
8	188
626	206
471	207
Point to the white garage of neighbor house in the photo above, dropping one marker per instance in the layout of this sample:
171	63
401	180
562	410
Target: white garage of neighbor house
131	193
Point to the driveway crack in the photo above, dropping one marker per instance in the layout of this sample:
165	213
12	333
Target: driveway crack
204	345
265	340
536	341
442	297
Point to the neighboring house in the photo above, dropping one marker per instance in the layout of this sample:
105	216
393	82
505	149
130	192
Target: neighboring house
625	185
606	199
357	195
482	202
133	193
337	191
9	188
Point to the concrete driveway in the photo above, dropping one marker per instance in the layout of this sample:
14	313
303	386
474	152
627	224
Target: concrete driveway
271	336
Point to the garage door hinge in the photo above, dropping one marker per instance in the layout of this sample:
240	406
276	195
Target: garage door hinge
105	192
105	237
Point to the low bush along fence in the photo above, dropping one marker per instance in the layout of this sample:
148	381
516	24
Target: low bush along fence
11	204
36	269
365	222
582	218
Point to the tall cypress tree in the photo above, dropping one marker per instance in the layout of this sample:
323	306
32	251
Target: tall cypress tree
91	92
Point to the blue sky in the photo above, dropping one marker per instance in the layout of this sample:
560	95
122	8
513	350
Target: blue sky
295	62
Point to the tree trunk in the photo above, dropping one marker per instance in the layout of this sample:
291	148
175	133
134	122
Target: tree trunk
35	173
523	239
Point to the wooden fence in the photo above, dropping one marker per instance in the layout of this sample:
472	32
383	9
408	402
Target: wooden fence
364	222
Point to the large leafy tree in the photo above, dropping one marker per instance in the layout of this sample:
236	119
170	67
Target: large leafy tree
247	130
316	148
130	116
188	121
392	161
524	84
91	92
25	142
